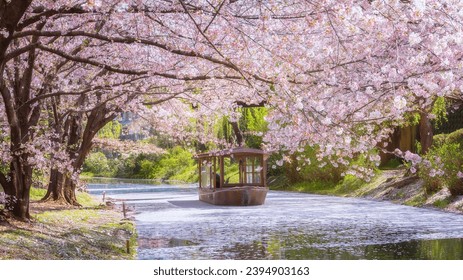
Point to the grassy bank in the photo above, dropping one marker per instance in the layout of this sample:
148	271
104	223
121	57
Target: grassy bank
62	232
393	185
348	186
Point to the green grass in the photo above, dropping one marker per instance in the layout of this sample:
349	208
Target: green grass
391	164
348	186
129	228
37	194
88	232
86	175
441	203
85	199
78	233
417	200
318	187
67	216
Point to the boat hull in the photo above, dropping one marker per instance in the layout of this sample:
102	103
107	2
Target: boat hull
234	196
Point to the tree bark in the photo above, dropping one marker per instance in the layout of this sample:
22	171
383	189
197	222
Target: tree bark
10	14
20	117
426	132
79	144
238	133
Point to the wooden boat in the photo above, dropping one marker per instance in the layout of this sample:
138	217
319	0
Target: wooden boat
235	177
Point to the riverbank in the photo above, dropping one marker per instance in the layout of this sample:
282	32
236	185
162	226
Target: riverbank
388	185
92	232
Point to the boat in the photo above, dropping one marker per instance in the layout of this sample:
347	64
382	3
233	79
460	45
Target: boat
233	177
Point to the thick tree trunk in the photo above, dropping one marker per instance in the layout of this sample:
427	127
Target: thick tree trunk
238	133
20	117
426	133
18	188
62	187
55	187
20	174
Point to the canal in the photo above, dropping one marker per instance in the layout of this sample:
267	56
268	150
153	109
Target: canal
173	224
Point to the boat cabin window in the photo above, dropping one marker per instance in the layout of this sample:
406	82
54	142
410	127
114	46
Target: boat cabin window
234	167
206	170
231	170
253	170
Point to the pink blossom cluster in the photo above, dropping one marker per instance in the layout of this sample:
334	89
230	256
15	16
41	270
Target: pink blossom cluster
338	75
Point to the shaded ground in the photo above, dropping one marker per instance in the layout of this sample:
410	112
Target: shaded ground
62	232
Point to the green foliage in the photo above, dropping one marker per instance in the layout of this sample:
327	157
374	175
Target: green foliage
391	164
37	194
349	184
411	119
98	164
231	171
439	110
224	129
177	164
455	137
442	163
251	123
313	172
417	200
111	130
135	166
318	187
319	176
86	200
443	203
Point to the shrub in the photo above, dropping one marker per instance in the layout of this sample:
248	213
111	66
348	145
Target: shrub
440	167
97	163
177	164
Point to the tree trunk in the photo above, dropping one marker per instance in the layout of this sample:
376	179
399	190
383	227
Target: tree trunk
426	133
18	188
21	117
55	187
238	133
79	144
20	174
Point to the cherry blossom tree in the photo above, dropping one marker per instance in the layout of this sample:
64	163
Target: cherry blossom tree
372	63
51	32
336	74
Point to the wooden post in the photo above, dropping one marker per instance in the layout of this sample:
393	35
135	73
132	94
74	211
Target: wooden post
199	167
222	175
264	170
214	176
104	195
127	246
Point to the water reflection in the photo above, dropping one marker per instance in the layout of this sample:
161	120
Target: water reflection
173	224
276	248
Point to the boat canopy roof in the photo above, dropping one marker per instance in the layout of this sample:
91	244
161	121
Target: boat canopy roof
239	151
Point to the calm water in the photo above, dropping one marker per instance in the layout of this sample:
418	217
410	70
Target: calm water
173	224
